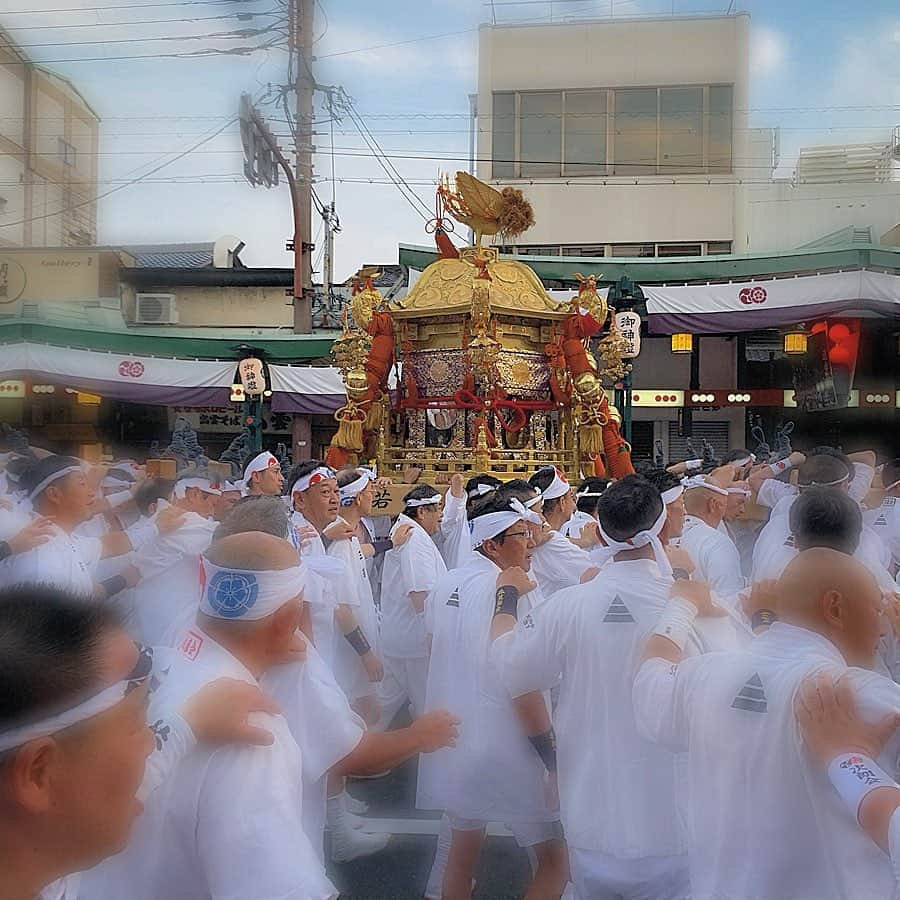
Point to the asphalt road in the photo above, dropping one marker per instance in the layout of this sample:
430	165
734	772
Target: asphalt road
400	871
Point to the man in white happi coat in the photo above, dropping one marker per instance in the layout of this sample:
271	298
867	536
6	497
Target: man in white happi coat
885	519
586	498
557	562
169	564
409	576
58	490
714	554
228	822
733	714
496	772
617	790
263	476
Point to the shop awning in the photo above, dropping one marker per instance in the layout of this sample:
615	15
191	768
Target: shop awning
157	380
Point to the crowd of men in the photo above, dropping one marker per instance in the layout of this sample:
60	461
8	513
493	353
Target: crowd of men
660	696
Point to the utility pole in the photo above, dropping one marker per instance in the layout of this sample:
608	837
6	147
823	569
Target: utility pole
300	45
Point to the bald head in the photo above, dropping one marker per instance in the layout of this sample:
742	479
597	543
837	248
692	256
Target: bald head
254	551
836	596
705	504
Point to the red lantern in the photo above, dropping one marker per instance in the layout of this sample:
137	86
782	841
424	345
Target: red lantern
839	355
839	332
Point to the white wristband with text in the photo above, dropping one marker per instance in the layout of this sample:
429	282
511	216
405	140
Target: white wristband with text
677	621
781	466
854	776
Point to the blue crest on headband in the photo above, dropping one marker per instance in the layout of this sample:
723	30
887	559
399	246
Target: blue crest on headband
471	526
231	594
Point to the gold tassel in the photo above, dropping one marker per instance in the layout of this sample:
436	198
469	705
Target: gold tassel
590	439
349	435
374	416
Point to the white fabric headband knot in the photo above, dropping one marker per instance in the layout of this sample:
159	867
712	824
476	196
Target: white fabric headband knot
488	526
559	487
480	490
698	481
228	593
348	492
42	486
304	483
672	494
424	501
229	487
87	709
204	484
587	493
259	463
642	539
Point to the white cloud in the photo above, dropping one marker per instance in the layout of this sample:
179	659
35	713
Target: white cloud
768	51
866	70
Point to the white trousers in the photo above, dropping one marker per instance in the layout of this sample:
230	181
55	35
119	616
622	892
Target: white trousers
404	679
599	876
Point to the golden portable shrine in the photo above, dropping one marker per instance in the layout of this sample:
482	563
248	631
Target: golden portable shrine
491	373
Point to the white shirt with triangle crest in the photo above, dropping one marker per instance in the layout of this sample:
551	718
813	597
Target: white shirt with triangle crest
493	773
764	822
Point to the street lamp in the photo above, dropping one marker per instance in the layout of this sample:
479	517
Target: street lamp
682	343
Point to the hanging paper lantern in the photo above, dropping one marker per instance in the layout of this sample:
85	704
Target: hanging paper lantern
838	333
839	355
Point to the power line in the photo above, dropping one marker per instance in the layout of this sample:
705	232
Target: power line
427	37
193	54
131	6
228	35
137	180
234	15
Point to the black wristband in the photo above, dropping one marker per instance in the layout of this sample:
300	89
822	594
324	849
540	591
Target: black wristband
5	550
114	585
507	601
763	618
358	642
681	574
382	545
545	747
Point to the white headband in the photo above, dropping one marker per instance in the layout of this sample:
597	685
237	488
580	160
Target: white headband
672	494
740	463
889	487
425	501
839	481
204	484
533	502
559	487
259	463
53	476
355	488
642	539
305	482
229	487
736	489
87	709
228	593
481	489
119	498
698	481
488	526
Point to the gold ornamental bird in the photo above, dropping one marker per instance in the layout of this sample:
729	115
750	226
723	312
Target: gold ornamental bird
484	209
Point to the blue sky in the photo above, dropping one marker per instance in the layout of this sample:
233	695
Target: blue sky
808	57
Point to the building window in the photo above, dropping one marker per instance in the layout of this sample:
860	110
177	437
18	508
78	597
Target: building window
67	153
504	135
679	250
585	250
633	131
718	248
585	133
633	251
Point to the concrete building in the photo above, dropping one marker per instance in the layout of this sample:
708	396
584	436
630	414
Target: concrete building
49	141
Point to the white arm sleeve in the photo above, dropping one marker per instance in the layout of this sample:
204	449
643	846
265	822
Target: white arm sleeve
772	490
174	740
530	657
894	843
659	696
860	481
454	512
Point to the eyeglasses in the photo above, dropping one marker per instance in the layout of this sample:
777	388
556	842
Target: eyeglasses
525	534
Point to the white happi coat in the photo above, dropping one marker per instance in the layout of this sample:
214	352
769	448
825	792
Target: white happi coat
169	589
66	561
885	522
415	567
453	539
356	592
763	821
558	564
226	824
493	773
324	726
716	558
617	789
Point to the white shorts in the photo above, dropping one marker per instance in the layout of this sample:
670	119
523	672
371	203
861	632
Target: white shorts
600	876
527	834
404	679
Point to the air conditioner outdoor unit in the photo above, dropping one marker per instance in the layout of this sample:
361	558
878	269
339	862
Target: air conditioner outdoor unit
156	309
